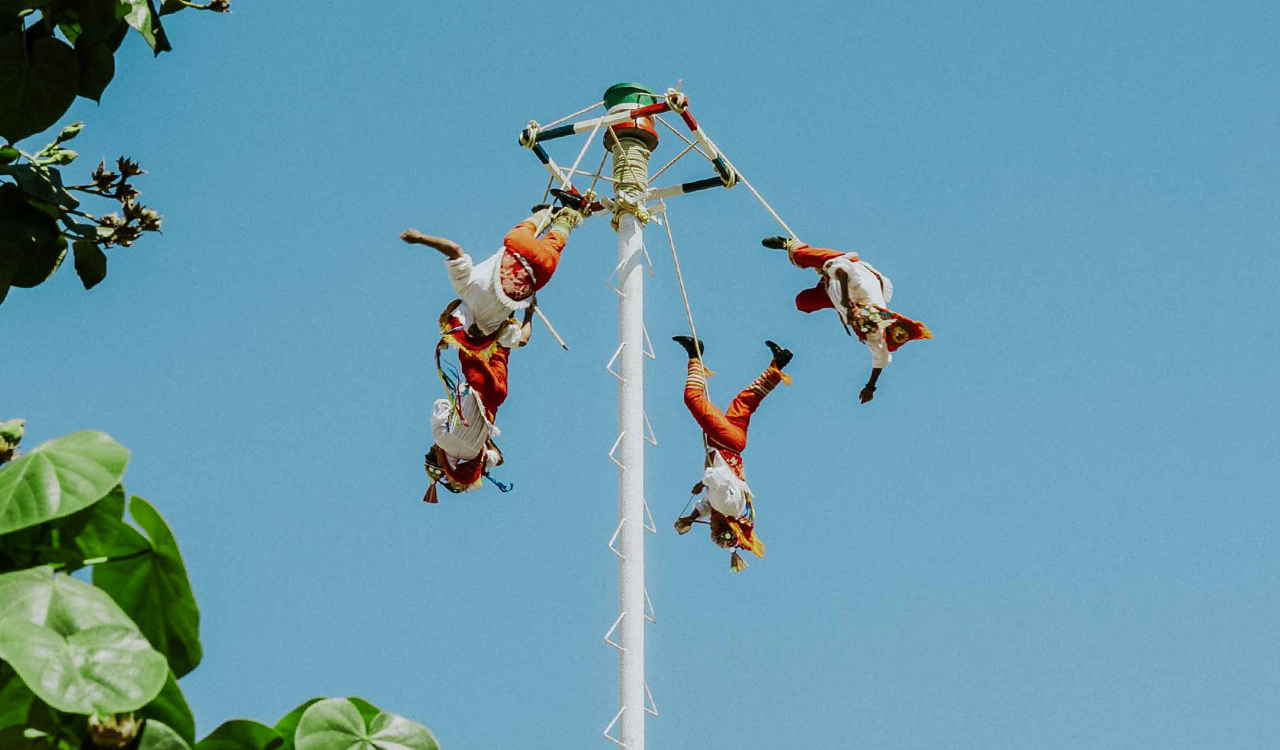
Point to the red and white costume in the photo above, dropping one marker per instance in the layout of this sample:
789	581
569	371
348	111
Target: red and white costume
724	478
867	289
480	326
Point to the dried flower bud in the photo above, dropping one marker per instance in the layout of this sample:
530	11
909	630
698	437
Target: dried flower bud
126	192
102	179
220	6
126	235
114	731
128	168
150	220
132	210
111	220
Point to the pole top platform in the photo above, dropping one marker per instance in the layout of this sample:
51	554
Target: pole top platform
628	93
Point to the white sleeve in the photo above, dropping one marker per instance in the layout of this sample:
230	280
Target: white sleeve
459	272
880	355
509	336
702	508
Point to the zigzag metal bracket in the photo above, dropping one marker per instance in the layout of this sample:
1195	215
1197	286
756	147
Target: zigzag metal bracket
614	373
651	711
648	351
614	538
651	438
615	448
610	737
653	615
649	525
608	636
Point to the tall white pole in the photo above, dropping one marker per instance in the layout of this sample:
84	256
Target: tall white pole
631	143
631	687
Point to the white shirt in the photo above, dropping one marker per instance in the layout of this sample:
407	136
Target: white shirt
866	284
459	441
484	303
725	492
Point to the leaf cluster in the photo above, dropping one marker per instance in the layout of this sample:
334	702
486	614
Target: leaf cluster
96	664
52	51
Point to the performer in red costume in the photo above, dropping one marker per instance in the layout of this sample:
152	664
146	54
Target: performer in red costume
481	326
727	506
860	294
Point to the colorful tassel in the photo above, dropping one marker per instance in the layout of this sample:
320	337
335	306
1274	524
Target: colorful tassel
736	563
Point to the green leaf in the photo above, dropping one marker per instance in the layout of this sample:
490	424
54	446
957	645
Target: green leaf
241	734
91	263
336	724
16	699
37	85
170	707
97	67
155	591
64	604
8	155
142	16
101	19
157	736
59	478
41	182
287	727
31	244
103	669
367	710
93	532
70	30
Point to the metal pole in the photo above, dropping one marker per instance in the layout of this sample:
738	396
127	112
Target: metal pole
631	144
631	482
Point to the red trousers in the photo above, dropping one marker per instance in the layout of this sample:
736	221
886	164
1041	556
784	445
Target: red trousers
542	255
727	429
815	298
488	378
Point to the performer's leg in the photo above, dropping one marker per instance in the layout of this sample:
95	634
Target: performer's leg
709	418
812	257
542	254
814	299
487	377
745	403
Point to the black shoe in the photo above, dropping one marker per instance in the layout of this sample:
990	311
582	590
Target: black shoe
687	343
774	243
780	356
539	207
568	199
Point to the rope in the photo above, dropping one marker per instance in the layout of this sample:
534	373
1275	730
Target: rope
759	197
582	111
688	311
630	178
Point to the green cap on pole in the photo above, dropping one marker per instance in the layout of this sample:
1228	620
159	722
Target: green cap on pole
628	93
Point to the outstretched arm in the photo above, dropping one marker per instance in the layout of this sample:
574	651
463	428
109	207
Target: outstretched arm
869	390
448	248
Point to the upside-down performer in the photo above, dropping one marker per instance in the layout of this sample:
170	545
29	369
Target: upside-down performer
480	325
727	505
860	294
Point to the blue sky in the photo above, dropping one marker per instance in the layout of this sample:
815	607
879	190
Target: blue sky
1053	528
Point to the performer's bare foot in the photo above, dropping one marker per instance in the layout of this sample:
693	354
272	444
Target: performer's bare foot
868	392
781	356
687	343
413	237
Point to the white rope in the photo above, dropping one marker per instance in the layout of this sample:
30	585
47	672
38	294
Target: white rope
582	111
759	197
687	149
682	137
